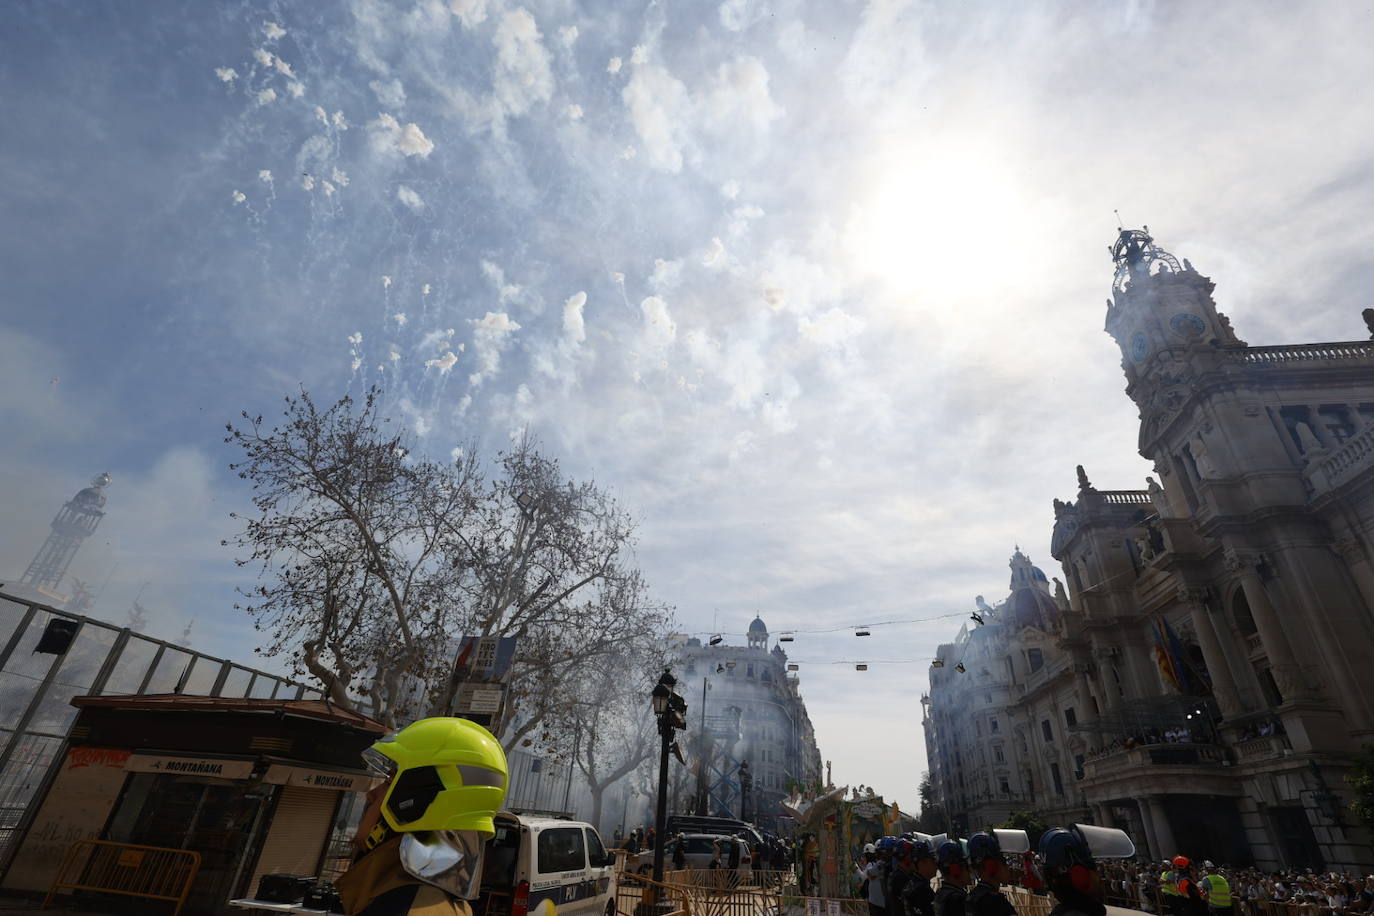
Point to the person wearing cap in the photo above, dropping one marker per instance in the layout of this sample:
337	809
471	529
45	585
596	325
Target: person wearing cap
1215	890
422	837
917	897
899	871
991	872
951	899
1190	899
1171	898
1071	873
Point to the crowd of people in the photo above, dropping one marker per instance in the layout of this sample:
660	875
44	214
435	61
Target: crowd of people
1251	892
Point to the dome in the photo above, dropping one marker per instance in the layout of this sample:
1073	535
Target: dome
1025	573
1031	607
757	627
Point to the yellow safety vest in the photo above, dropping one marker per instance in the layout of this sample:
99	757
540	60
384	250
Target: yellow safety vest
1218	890
1168	883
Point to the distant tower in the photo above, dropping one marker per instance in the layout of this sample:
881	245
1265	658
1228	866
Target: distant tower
75	522
758	634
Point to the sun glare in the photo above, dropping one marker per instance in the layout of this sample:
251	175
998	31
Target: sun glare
948	226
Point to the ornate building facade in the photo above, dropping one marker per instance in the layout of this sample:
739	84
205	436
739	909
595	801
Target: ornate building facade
1214	646
754	715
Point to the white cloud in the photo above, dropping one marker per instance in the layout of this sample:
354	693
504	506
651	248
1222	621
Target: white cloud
491	335
738	15
328	188
659	327
263	57
794	42
442	339
226	74
239	197
471	13
408	197
639	55
424	290
390	92
295	89
575	112
386	282
400	318
265	175
272	31
355	338
389	136
504	291
715	255
740	217
339	121
282	66
322	116
574	330
340	177
739	97
730	190
567	35
628	153
613	65
267	96
667	275
443	363
523	75
308	182
660	111
833	328
493	323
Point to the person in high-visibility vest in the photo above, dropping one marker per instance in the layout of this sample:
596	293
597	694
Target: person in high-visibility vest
1216	890
1169	897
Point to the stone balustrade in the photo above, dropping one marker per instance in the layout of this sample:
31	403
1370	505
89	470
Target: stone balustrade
1303	353
1355	453
1262	748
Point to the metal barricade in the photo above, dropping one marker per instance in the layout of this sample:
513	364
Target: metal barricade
152	872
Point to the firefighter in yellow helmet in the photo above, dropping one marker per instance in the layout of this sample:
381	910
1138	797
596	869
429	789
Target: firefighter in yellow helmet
423	834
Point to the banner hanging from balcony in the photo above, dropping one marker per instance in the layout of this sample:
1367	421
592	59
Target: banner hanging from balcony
1169	655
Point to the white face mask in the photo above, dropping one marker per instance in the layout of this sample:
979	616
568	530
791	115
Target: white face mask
451	860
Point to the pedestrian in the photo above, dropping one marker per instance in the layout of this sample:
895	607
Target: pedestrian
618	841
420	850
875	872
650	843
985	858
1215	890
680	852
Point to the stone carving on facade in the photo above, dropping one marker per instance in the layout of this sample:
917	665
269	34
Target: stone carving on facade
1308	442
1206	468
1083	483
1158	498
1348	548
1061	597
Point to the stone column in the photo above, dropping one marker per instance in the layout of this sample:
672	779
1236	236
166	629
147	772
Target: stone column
1085	693
1218	666
1148	823
1163	831
1348	548
1282	663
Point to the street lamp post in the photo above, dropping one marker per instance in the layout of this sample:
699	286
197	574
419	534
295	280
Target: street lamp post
671	711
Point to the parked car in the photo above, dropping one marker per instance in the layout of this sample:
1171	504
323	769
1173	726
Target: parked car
533	859
700	849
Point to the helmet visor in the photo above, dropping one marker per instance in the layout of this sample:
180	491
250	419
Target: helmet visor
1106	842
1012	841
451	860
379	764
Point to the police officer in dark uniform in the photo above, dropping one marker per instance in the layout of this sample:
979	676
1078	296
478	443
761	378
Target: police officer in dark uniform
1071	874
918	899
951	898
898	871
985	857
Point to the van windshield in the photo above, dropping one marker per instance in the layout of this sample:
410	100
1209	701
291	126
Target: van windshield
503	851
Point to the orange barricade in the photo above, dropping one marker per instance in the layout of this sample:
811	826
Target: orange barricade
126	868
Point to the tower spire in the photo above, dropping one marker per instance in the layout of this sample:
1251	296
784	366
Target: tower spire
74	522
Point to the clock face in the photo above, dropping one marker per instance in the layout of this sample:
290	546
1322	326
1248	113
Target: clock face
1140	346
1186	325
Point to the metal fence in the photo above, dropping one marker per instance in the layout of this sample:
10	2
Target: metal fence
36	690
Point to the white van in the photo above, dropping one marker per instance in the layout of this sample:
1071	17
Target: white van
534	859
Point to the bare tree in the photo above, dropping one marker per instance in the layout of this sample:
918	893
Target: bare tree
375	560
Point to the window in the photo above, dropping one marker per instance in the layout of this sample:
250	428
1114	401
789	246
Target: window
1078	766
1046	729
595	851
978	726
1070	717
998	755
561	849
1035	658
749	670
1058	780
1005	787
992	726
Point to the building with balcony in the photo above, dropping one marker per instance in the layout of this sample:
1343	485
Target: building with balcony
748	710
1208	662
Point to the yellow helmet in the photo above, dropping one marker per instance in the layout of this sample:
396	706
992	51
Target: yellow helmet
448	774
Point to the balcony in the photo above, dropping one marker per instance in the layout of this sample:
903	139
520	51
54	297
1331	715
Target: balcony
1263	748
1287	355
1154	758
1334	469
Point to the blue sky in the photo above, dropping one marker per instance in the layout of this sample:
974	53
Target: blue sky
816	288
